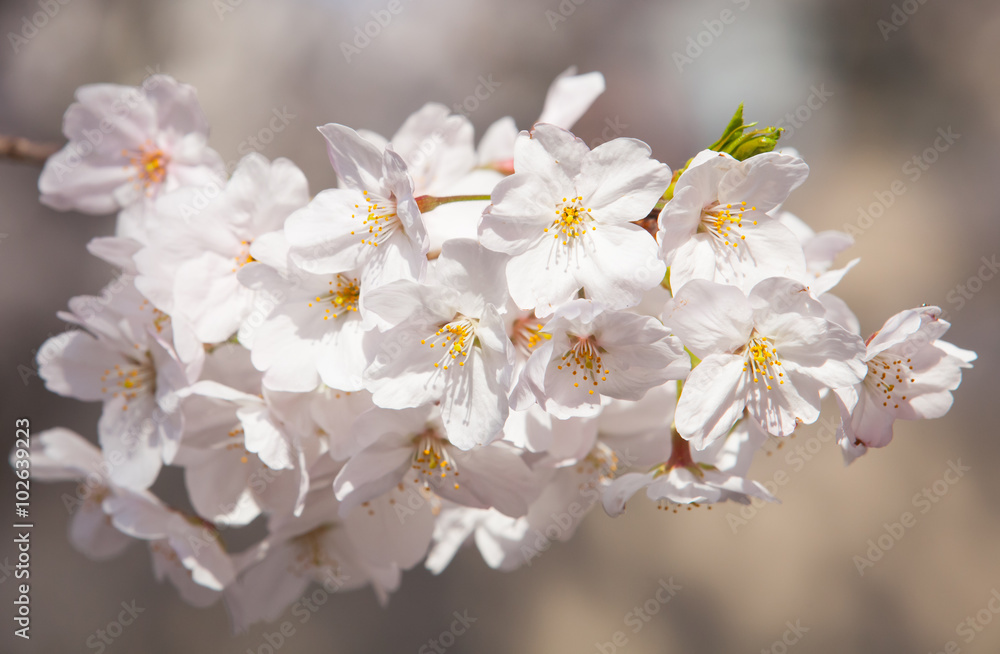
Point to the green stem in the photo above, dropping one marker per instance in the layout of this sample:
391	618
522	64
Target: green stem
428	202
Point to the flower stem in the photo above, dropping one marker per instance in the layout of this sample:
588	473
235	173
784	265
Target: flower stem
429	202
21	149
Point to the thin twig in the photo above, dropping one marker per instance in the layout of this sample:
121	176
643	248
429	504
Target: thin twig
24	150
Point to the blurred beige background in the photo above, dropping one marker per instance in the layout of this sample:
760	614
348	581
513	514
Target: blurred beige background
878	98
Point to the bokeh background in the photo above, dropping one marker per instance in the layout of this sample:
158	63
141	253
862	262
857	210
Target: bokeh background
865	98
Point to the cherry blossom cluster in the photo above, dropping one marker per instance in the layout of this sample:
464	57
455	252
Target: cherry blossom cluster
457	345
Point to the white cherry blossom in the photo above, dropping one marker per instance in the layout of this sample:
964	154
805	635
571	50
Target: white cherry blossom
370	223
564	218
127	144
772	353
590	352
717	225
911	374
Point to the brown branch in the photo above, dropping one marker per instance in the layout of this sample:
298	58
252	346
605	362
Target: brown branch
25	151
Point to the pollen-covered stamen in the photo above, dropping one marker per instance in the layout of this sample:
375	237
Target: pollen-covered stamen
160	319
243	258
526	333
455	340
680	457
762	362
311	552
235	441
432	459
150	164
583	360
342	297
725	222
380	219
129	381
572	220
890	376
601	460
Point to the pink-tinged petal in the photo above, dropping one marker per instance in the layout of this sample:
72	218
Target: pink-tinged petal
474	406
622	263
208	293
411	302
263	194
765	180
821	249
620	491
569	96
90	533
905	325
264	437
523	206
357	162
542	277
395	258
115	250
129	433
73	363
286	346
492	476
437	147
326	235
779	407
871	423
342	363
389	531
66	184
400	187
709	317
822	284
497	142
476	273
697	258
818	349
60	454
403	374
713	399
619	181
678	221
97	102
370	473
552	154
177	106
219	489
